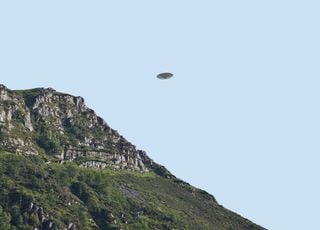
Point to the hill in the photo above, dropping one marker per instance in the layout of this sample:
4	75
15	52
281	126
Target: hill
63	167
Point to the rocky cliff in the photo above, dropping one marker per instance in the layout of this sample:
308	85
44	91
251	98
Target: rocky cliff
63	167
44	121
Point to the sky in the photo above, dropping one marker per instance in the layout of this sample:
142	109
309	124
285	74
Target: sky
240	118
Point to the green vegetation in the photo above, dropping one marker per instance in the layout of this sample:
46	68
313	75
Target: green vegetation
49	141
5	219
18	116
29	95
75	131
38	189
102	199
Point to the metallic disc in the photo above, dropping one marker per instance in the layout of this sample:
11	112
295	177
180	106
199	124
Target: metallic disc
164	76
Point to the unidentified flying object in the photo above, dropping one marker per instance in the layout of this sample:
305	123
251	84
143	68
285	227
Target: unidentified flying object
164	76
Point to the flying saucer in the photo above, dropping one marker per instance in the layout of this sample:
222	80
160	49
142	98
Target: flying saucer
164	76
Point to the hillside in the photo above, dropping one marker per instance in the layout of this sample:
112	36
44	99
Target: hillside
63	167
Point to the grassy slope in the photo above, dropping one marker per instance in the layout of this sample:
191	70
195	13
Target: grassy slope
105	199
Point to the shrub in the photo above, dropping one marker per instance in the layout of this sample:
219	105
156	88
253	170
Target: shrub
5	219
18	116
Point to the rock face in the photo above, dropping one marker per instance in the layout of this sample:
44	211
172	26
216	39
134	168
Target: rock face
43	121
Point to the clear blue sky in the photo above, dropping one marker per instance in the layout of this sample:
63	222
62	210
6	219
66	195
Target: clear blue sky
240	118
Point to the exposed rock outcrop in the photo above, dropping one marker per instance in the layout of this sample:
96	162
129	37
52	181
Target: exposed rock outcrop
42	120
